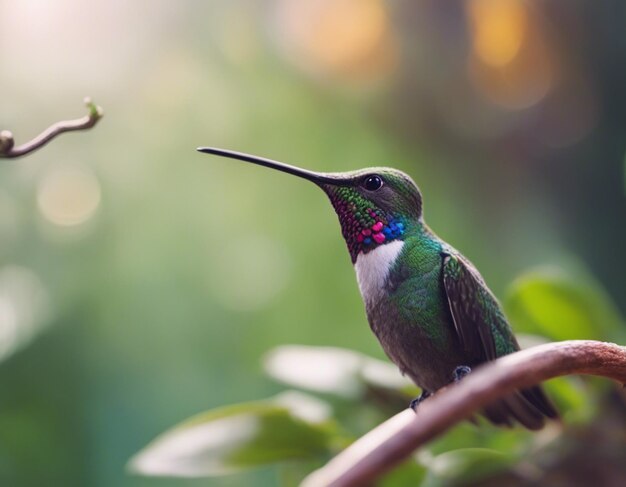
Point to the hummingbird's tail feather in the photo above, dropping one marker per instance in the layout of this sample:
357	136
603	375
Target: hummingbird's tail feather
530	407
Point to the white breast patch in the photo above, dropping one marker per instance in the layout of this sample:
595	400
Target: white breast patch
372	269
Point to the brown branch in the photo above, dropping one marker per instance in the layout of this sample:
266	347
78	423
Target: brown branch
393	441
7	149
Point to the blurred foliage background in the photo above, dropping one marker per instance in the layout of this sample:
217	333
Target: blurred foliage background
141	283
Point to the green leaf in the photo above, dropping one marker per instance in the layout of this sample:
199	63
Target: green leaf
562	307
408	473
464	466
515	441
577	400
291	426
337	371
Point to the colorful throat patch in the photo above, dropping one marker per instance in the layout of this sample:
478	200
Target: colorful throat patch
364	227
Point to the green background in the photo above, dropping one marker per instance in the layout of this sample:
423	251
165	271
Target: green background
181	270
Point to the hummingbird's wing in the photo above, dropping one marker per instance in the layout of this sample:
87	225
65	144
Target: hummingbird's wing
477	317
484	335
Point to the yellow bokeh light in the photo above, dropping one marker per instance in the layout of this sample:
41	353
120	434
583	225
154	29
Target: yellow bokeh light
498	28
68	196
511	62
347	31
350	39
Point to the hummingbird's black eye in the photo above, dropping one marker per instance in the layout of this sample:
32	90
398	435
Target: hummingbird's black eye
373	182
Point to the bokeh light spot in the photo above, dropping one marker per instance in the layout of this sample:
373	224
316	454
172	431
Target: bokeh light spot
347	39
68	196
499	28
511	63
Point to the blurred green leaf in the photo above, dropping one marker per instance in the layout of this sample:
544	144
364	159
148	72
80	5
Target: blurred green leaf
464	466
576	398
562	307
291	426
337	371
576	401
466	435
408	473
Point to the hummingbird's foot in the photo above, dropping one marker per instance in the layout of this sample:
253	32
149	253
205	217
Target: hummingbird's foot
416	402
460	372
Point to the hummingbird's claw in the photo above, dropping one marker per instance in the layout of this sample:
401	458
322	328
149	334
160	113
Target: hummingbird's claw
460	372
416	402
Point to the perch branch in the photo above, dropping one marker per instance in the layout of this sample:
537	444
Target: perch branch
393	441
7	149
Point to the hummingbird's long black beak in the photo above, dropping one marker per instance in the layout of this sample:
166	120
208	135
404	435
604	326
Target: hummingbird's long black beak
316	177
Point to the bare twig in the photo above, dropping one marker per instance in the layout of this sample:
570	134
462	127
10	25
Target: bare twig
393	441
7	149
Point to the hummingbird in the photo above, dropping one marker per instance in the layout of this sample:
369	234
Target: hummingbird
427	304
